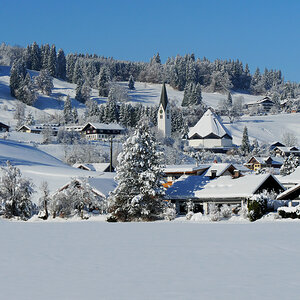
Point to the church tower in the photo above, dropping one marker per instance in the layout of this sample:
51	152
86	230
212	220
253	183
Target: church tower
164	114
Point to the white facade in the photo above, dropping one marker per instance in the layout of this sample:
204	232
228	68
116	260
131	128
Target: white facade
211	143
209	132
164	121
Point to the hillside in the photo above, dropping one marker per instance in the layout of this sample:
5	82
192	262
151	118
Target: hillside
264	128
40	166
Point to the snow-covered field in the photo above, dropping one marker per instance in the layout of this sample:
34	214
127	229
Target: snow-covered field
161	260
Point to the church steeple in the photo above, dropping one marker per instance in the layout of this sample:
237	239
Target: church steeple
164	114
164	97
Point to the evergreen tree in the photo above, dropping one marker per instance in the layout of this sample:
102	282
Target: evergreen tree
44	82
138	196
192	94
111	111
229	100
45	53
290	164
245	146
103	82
78	95
70	67
17	76
35	57
77	75
61	64
75	115
26	92
131	83
52	61
15	193
68	117
29	119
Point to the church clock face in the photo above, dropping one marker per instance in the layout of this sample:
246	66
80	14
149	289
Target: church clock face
161	111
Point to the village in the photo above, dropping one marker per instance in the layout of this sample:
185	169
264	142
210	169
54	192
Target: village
202	188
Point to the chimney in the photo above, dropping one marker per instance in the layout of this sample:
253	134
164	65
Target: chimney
236	173
213	174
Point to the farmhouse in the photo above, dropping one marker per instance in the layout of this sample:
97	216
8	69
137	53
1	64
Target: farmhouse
286	151
4	127
204	189
257	163
98	131
264	104
96	167
209	133
39	128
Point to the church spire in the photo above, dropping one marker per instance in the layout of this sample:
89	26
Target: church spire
164	97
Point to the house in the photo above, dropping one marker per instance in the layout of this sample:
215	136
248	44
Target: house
276	144
293	193
164	114
98	131
38	128
264	104
203	190
4	127
184	188
173	172
257	163
76	128
290	180
228	190
286	151
96	167
209	133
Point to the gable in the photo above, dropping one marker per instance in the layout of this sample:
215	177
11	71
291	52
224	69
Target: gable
270	184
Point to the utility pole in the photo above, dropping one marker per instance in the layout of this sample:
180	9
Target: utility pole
111	154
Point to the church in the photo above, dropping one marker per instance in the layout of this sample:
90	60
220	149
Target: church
209	133
164	114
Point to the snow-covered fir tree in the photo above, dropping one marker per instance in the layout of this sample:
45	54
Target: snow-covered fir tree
15	193
245	146
131	83
52	61
103	82
68	117
44	82
17	76
192	94
61	64
290	164
138	196
29	119
26	92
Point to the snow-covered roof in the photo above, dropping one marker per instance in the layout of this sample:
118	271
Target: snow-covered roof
186	185
98	167
110	126
226	187
287	149
220	168
209	124
292	178
184	168
288	191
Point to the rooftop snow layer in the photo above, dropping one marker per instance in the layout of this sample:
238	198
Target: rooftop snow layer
209	124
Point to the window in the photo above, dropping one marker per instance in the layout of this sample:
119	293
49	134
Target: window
167	116
161	116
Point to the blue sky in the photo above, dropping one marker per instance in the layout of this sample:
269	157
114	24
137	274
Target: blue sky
263	33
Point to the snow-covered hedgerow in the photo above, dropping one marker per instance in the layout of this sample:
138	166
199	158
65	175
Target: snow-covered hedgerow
289	212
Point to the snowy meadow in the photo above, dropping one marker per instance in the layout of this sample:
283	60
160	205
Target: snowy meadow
160	260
